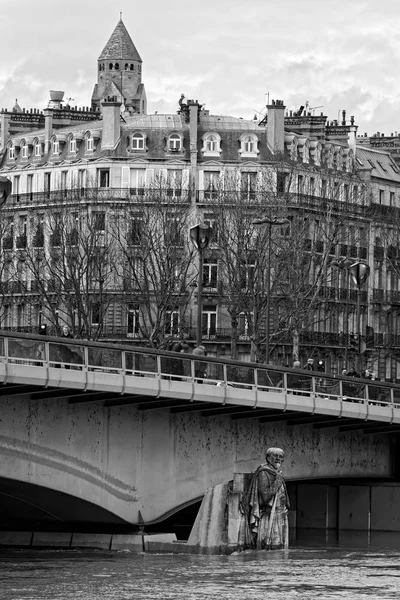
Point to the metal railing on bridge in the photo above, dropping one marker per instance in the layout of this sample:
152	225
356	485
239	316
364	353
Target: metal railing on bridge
84	359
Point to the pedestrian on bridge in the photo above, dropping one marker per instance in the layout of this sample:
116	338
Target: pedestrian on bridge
200	367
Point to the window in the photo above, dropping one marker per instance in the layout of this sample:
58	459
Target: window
38	238
100	221
209	321
138	141
211	144
281	179
300	184
210	274
11	153
312	186
355	193
247	276
248	185
89	144
248	145
172	322
133	320
82	181
174	233
29	185
391	198
47	184
211	184
137	181
104	178
63	182
136	231
96	313
323	188
72	145
381	196
346	192
25	151
174	142
56	147
174	183
38	149
16	185
22	231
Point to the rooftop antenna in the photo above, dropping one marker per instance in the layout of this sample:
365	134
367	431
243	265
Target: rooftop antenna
120	15
314	108
267	94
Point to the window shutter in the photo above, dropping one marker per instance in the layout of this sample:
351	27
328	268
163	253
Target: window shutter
125	179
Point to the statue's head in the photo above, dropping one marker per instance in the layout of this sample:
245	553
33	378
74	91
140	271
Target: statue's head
275	457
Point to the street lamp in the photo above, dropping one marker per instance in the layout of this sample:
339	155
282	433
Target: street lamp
200	236
359	273
345	263
271	222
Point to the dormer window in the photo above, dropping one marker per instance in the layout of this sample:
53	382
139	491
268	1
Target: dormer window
174	142
72	145
211	144
11	152
38	149
24	151
89	144
56	147
138	141
248	146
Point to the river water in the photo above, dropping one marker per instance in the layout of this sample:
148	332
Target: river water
304	572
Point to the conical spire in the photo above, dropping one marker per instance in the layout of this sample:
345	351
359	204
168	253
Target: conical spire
120	46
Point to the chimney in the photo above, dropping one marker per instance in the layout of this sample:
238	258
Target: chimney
275	127
48	128
352	139
194	108
4	129
111	110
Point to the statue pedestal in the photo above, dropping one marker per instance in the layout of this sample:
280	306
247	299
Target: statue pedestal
216	528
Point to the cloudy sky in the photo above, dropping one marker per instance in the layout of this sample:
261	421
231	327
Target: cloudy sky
228	54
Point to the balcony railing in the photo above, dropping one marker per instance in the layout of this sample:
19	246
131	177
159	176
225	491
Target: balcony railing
103	194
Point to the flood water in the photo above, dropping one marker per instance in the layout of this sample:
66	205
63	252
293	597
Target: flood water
329	570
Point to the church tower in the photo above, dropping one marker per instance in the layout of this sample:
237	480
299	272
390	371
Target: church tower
119	73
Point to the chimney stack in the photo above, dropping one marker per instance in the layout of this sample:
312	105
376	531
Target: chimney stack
276	127
111	110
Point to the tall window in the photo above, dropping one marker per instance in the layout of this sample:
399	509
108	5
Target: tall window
89	144
16	185
56	147
210	273
47	183
174	183
25	151
247	276
137	181
11	152
211	184
72	145
211	143
281	179
209	321
133	320
136	231
248	185
104	178
29	184
38	149
172	322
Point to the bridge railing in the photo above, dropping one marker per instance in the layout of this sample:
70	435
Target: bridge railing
128	361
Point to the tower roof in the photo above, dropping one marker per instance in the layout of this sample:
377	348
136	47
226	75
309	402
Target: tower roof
120	45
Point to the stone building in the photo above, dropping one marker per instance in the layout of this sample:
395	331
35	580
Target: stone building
96	232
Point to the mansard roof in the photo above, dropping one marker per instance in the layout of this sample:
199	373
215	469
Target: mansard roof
381	163
120	45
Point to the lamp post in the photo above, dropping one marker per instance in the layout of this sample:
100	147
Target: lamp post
345	263
271	222
359	273
200	236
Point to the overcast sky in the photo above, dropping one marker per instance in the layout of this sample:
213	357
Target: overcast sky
228	54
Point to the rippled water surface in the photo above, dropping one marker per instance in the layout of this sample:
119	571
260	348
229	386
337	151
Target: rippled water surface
301	572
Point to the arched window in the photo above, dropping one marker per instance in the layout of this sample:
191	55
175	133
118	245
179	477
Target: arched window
126	66
174	142
56	146
11	152
248	145
38	148
116	66
89	143
211	143
111	66
132	67
24	149
138	141
72	145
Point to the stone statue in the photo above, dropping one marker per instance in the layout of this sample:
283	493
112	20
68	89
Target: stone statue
265	507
